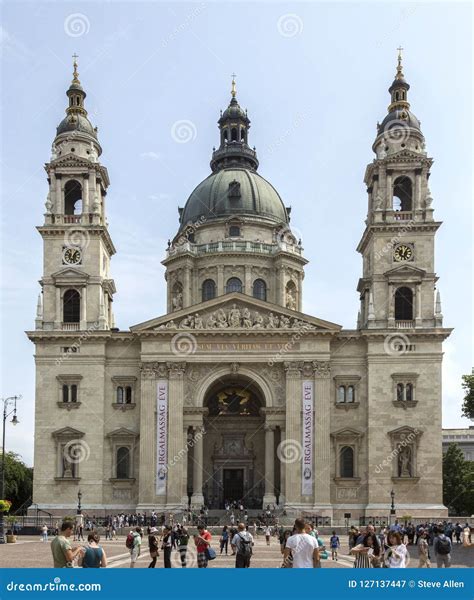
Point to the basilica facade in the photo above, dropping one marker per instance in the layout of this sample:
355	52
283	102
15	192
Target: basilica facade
235	393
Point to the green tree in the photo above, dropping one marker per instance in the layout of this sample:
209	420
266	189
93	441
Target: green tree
458	482
18	482
468	403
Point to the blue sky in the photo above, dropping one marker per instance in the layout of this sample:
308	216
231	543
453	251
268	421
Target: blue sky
314	77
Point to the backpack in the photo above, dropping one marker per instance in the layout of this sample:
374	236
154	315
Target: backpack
129	541
245	547
443	546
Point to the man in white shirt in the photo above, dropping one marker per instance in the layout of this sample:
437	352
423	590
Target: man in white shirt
303	548
242	544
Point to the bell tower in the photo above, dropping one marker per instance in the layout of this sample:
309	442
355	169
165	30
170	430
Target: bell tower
398	286
77	290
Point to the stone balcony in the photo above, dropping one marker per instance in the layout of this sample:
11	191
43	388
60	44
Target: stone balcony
233	246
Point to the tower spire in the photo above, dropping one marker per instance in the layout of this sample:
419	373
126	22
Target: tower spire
399	74
75	74
234	89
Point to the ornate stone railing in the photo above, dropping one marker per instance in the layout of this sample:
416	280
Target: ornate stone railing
404	324
70	326
402	215
234	246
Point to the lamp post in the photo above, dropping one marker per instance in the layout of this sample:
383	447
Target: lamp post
79	496
6	403
392	507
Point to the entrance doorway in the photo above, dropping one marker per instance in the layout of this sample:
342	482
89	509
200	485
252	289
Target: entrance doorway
233	484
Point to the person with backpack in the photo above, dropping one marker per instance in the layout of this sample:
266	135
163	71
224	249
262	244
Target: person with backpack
167	546
133	543
242	544
183	540
94	556
442	548
335	544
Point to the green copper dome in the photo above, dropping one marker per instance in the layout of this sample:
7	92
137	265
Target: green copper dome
234	191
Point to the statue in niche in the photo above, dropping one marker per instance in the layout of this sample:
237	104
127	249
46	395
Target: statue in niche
96	205
428	199
92	153
378	202
234	316
177	300
54	153
48	204
290	298
247	318
404	462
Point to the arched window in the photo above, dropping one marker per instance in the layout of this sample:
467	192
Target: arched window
290	300
73	393
400	392
72	198
65	393
347	462
71	306
234	231
120	395
350	393
341	394
123	463
404	304
260	289
233	134
242	135
409	392
208	290
402	194
233	285
226	135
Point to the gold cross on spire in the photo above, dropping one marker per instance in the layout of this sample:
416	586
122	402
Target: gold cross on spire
233	90
75	73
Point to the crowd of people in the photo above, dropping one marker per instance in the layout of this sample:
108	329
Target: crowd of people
300	547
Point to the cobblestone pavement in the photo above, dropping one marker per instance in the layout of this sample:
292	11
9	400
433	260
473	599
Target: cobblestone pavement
31	552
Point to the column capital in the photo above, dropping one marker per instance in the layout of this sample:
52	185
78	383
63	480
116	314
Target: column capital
293	369
176	369
153	370
322	369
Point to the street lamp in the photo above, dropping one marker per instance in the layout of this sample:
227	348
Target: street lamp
79	496
6	403
392	507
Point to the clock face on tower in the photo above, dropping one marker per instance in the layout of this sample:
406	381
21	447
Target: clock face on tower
72	256
402	253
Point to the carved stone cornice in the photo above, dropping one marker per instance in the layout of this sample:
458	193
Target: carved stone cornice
153	370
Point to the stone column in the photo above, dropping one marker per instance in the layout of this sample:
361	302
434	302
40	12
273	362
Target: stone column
58	321
85	201
197	497
388	205
248	280
281	466
147	498
220	280
187	287
58	203
177	451
416	205
269	497
83	324
291	450
322	456
417	307
185	500
391	306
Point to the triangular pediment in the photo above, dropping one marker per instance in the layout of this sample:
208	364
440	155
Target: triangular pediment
346	433
69	273
405	272
67	432
71	160
236	311
122	432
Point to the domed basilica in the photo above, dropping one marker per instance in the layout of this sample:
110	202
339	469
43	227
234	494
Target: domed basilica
235	393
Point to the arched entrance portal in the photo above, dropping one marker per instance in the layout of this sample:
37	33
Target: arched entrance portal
234	444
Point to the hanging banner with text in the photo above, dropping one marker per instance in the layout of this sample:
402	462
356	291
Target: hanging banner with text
307	466
161	436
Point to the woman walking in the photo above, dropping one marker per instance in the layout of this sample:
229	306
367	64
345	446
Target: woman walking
166	546
224	541
153	546
183	539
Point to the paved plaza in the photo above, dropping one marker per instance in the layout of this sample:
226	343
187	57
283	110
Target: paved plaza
31	552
